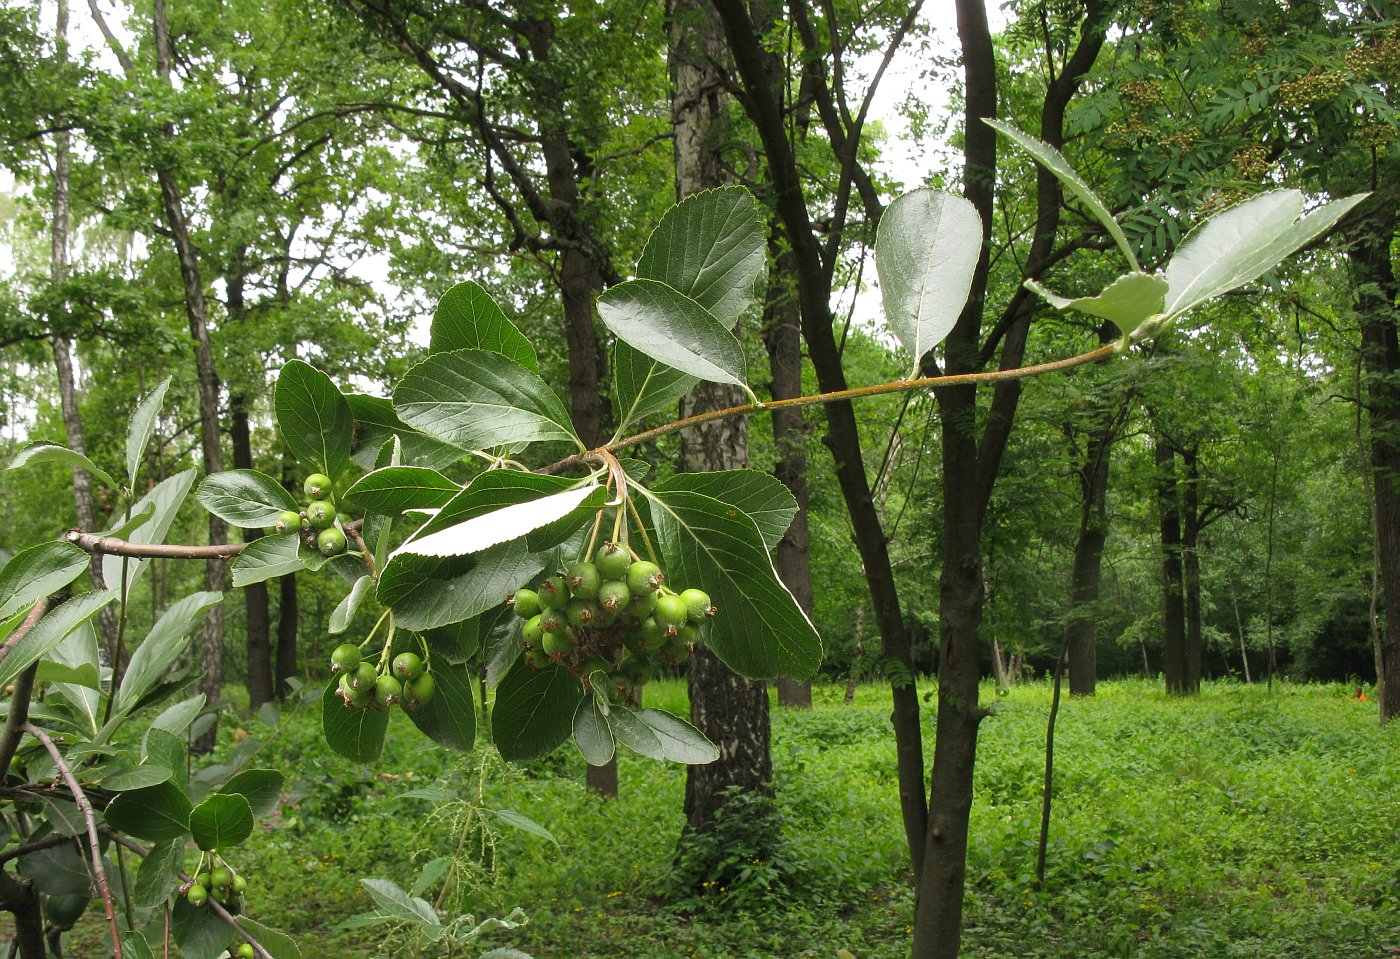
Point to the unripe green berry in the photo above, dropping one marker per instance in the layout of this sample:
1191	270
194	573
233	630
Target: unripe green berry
288	521
637	669
554	593
697	604
197	895
321	514
643	604
595	665
246	951
614	595
582	612
612	560
418	691
239	885
671	610
584	580
387	691
536	658
532	631
526	603
354	696
364	676
556	644
317	486
408	666
221	877
202	879
331	542
644	576
554	621
649	636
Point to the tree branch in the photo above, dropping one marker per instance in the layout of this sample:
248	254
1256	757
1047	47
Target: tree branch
85	808
120	547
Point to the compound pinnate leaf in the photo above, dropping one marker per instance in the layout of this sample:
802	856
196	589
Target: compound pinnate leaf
926	252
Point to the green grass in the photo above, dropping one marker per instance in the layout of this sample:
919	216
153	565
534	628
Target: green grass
1234	824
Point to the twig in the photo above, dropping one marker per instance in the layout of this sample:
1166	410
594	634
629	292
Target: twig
48	842
24	691
218	909
85	807
120	547
30	621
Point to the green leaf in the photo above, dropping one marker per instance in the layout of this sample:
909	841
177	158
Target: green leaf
314	418
72	667
177	718
592	735
199	933
266	558
1052	160
398	488
642	386
1127	302
221	822
432	872
36	572
467	318
680	741
759	632
162	645
163	502
429	592
449	718
156	813
141	428
710	247
354	732
134	945
136	777
507	523
58	871
261	787
926	252
397	903
245	498
673	329
345	610
762	496
635	734
164	748
376	424
1242	243
534	711
523	823
159	873
51	453
277	944
50	631
479	400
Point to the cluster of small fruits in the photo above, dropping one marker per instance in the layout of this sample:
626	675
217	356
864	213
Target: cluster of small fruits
220	883
613	615
378	685
321	526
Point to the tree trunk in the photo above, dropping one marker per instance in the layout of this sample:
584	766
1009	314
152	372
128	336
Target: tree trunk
212	643
1173	598
1373	273
255	604
783	338
1191	568
1080	638
288	618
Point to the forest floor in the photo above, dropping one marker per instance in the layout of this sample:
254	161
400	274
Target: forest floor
1240	823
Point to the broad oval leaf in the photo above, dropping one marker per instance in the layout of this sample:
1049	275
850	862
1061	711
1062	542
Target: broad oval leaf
643	387
314	418
762	496
534	711
710	247
355	732
36	572
680	741
1243	243
592	735
1127	302
760	631
476	399
141	427
377	425
261	787
265	558
247	499
467	318
275	943
635	734
200	933
52	453
136	777
394	489
673	329
159	873
449	718
925	253
156	813
221	822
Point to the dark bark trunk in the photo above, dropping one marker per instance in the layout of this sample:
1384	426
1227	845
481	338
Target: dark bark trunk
19	897
1173	598
783	338
733	712
1373	272
255	603
1191	568
172	203
288	607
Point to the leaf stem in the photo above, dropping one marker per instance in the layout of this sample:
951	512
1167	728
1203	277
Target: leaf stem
652	554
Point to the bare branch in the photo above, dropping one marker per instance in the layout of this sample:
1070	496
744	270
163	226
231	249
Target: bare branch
120	547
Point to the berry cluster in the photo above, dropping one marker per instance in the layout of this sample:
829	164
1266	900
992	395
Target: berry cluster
406	681
614	615
219	882
320	525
